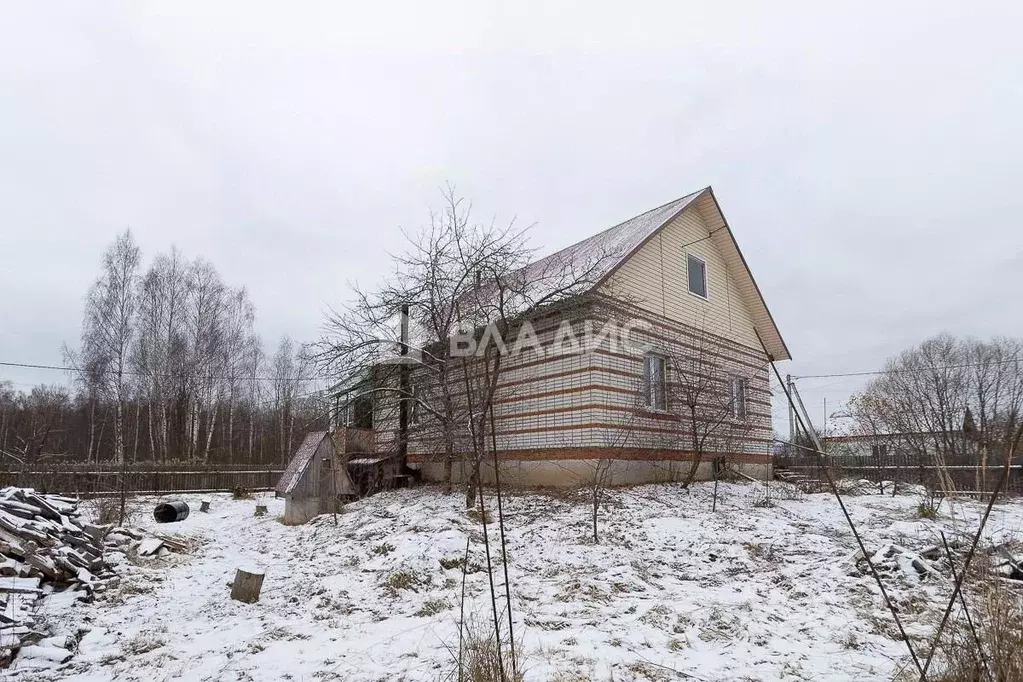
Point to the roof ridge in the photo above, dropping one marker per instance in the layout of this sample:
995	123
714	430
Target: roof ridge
627	220
640	215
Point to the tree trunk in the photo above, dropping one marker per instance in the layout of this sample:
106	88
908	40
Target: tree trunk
119	412
252	429
449	460
3	430
119	430
209	432
472	486
280	434
983	466
135	446
164	446
291	431
230	430
152	440
102	428
697	453
92	430
193	434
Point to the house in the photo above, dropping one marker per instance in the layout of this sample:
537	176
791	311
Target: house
671	305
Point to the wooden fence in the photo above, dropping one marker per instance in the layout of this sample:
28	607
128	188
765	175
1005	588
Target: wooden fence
105	479
966	474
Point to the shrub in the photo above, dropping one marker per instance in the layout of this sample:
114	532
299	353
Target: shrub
240	493
404	580
383	549
926	511
482	656
480	517
459	563
431	607
998	618
142	643
108	510
447	563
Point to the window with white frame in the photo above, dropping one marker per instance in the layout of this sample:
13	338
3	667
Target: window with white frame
654	382
737	403
696	268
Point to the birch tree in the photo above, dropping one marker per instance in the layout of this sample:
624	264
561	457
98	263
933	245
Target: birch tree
110	308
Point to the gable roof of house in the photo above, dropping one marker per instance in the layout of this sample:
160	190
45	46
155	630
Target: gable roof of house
604	253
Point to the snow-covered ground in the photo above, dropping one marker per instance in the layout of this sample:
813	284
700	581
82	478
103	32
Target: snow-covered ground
749	592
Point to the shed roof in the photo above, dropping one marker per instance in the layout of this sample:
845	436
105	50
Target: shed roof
366	461
293	474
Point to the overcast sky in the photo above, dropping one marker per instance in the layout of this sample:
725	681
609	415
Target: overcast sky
868	159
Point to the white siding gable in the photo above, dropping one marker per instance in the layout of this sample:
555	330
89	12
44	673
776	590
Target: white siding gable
655	279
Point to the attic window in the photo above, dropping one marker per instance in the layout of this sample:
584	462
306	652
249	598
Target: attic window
697	269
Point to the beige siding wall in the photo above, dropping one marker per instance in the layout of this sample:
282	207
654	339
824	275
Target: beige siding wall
551	400
655	279
567	407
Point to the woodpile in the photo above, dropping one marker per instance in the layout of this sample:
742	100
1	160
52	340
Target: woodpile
44	548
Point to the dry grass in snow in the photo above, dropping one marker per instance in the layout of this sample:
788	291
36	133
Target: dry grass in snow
753	591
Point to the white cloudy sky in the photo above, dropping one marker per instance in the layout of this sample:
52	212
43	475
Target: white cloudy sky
867	156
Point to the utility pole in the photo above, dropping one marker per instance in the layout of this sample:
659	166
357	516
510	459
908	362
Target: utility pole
792	411
824	427
403	389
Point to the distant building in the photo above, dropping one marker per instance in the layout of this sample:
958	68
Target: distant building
952	443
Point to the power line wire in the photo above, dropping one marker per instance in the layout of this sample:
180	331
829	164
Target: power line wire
127	372
902	371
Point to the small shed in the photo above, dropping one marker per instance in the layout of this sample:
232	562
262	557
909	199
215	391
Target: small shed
371	473
315	481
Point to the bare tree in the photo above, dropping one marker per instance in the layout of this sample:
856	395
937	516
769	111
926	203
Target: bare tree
169	359
161	346
456	279
7	410
205	322
42	413
946	400
110	308
602	469
710	396
288	371
254	361
238	342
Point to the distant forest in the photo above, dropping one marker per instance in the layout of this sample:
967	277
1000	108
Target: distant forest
169	367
